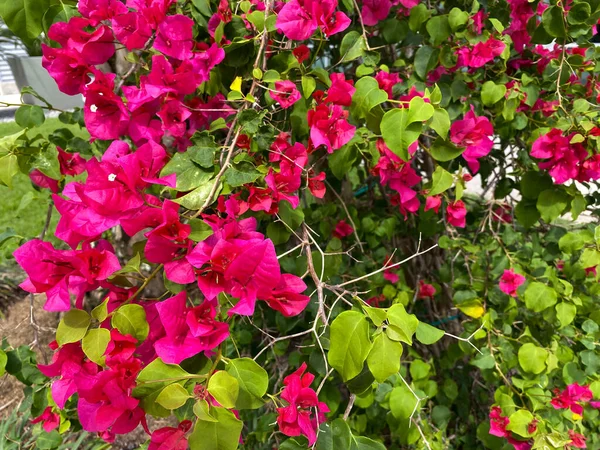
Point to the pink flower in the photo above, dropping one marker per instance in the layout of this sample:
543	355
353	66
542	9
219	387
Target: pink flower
510	282
316	185
399	176
498	422
341	90
474	133
188	331
572	398
168	438
105	114
301	53
329	127
287	297
70	163
456	214
391	276
577	440
285	93
342	229
298	417
175	37
42	180
68	363
61	272
132	30
386	81
50	419
120	348
434	202
67	67
99	10
95	47
299	19
374	11
480	54
563	158
106	403
425	290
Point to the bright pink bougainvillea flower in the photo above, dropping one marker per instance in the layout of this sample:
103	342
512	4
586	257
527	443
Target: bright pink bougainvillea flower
456	214
299	19
342	229
285	93
475	133
498	427
298	417
510	282
426	290
169	438
49	419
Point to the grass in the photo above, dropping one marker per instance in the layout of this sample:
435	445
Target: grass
23	208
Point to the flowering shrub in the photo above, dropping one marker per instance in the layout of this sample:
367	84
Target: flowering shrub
313	223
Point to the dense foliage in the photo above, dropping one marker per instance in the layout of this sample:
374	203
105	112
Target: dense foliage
362	225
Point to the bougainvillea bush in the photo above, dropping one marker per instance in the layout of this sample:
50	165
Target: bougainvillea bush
364	224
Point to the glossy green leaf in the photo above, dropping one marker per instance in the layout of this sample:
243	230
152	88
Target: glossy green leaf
73	327
349	344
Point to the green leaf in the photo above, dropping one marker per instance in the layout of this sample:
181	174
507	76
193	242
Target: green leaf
457	18
364	443
526	213
94	344
203	150
189	174
532	358
439	29
341	161
579	12
224	388
394	30
533	183
202	411
572	242
538	296
172	396
377	315
29	116
333	436
565	312
309	85
492	93
131	320
519	422
24	17
402	325
353	46
195	199
100	312
384	357
441	181
242	174
224	434
418	15
443	151
426	334
590	258
9	167
367	96
48	441
440	122
578	205
349	344
72	327
3	360
398	133
426	59
554	22
152	380
253	382
200	230
551	203
402	402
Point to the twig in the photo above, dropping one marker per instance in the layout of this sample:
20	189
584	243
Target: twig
384	268
468	340
347	214
349	407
